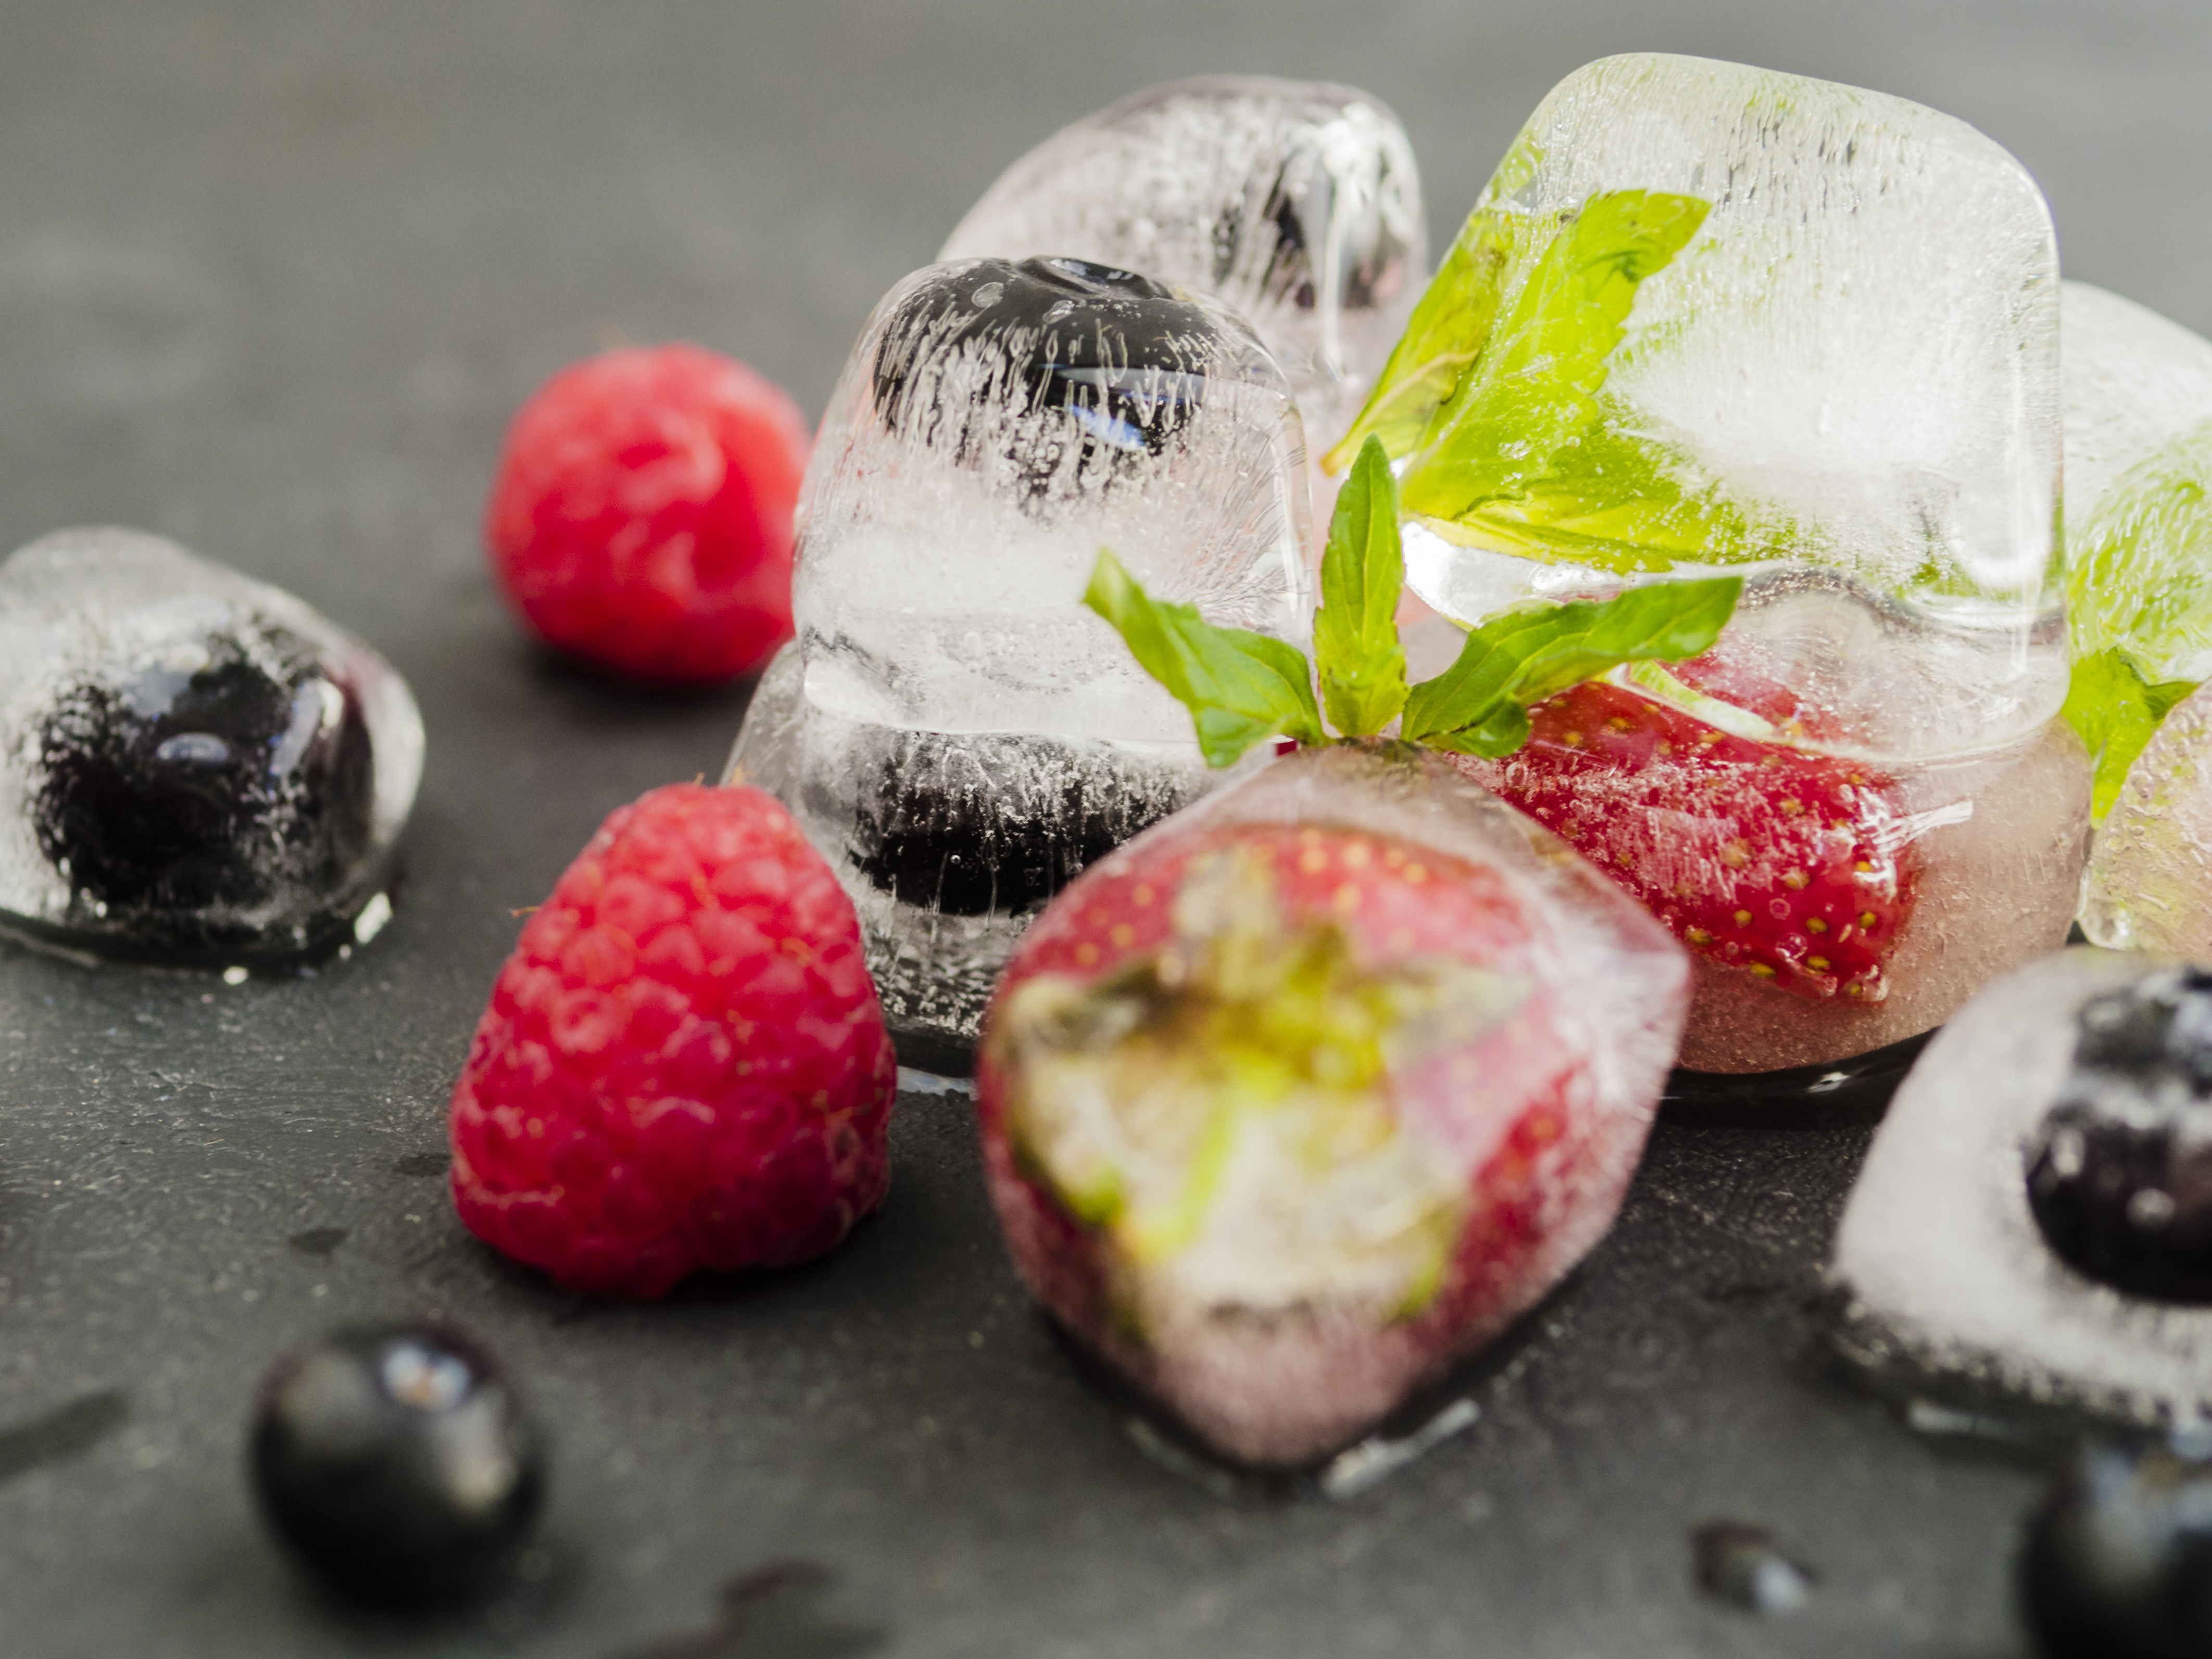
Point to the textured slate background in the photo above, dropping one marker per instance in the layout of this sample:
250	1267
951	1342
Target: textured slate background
272	276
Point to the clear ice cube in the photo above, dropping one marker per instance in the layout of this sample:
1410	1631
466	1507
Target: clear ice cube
954	731
1948	1272
1707	318
1295	202
1361	1071
194	766
2139	596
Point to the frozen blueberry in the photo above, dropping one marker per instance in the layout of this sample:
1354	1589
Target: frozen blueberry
396	1462
1117	352
194	767
2118	1559
2120	1174
213	784
999	825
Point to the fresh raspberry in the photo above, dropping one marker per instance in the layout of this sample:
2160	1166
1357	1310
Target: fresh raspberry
684	1065
1790	864
641	516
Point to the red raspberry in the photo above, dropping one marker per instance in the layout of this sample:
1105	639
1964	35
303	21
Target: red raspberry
683	1064
1788	865
642	514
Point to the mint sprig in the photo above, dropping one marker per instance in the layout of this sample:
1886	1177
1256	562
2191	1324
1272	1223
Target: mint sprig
1242	687
1494	395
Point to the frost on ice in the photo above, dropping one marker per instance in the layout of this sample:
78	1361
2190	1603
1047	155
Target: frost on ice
193	766
954	731
1296	203
2035	1215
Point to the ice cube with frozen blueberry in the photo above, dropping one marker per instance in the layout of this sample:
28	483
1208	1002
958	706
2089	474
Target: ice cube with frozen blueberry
193	765
956	733
2035	1215
1296	203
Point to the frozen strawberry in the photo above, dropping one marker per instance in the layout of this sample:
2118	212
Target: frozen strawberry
684	1065
641	517
1317	1086
1790	864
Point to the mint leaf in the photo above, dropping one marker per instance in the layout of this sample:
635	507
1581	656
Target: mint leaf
2117	712
1479	705
1362	570
1447	332
1525	454
2135	577
1240	687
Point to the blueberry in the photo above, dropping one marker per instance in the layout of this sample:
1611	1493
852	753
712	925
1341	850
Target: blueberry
1118	354
2119	1558
223	782
994	826
2119	1175
396	1462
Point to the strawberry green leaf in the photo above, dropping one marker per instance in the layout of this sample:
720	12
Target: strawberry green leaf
1362	570
2117	712
1479	705
1241	688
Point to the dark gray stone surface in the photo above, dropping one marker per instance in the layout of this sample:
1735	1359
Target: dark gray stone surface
272	276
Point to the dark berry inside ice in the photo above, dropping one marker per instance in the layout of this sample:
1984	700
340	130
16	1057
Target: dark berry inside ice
1115	353
1000	826
214	781
2118	1561
2120	1173
396	1462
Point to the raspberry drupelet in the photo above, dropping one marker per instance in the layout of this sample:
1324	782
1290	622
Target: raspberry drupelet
683	1064
641	516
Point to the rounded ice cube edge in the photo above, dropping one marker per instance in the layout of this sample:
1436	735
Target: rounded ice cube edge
1281	1366
197	770
1941	1282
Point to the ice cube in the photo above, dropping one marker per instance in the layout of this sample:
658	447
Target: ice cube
1295	202
956	732
2139	592
193	766
2035	1215
1711	318
1318	1085
1798	806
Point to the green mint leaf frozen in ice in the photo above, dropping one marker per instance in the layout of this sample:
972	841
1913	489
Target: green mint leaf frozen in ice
2140	562
1496	393
2116	711
1241	688
1446	333
1363	572
1479	705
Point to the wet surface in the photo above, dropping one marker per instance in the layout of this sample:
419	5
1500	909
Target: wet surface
271	278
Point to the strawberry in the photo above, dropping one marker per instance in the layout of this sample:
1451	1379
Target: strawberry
1283	1115
1789	865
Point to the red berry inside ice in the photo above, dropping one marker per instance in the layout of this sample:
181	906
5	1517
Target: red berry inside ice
1280	1117
1782	862
684	1065
641	516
